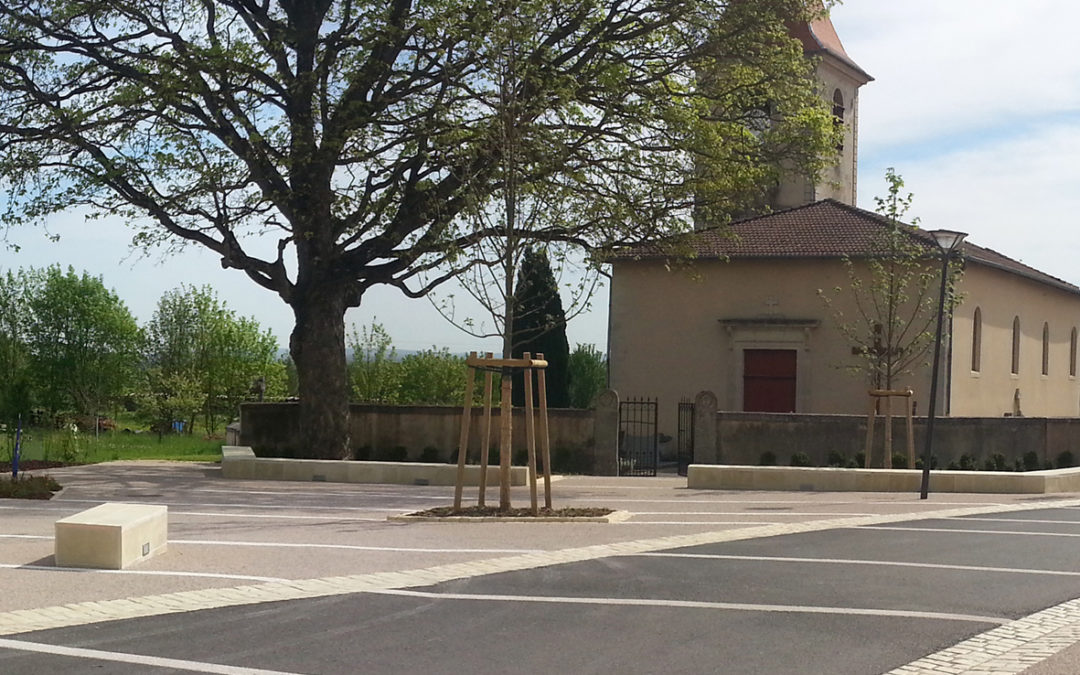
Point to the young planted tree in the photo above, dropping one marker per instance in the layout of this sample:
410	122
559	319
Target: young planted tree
892	295
359	133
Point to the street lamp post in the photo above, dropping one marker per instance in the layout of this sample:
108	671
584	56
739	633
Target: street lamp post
948	242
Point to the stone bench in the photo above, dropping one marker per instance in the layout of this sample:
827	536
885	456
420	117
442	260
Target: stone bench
111	536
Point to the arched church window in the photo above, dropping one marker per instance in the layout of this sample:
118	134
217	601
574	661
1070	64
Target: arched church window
976	341
1016	346
1072	353
1046	349
838	115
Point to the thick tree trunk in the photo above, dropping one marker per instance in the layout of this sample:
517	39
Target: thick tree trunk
318	350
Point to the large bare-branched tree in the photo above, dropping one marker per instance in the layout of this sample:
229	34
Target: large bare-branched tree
322	147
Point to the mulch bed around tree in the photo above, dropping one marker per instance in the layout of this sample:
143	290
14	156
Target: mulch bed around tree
28	487
494	512
29	465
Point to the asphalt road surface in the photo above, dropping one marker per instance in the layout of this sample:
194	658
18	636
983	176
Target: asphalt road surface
851	600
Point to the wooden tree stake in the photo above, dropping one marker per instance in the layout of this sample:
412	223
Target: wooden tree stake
545	440
530	438
463	443
485	444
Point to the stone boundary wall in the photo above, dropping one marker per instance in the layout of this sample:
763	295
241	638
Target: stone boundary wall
586	441
742	438
378	431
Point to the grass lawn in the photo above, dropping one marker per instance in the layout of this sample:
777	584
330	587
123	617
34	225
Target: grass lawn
58	445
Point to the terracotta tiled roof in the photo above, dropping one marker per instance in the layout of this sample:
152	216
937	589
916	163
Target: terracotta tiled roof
819	36
823	229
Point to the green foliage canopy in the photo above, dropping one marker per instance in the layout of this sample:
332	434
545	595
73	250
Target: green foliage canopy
588	375
539	327
358	133
84	342
196	341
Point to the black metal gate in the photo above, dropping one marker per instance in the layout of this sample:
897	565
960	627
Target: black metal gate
685	448
639	452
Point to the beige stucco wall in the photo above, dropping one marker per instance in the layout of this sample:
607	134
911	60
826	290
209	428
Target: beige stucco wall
1000	297
672	333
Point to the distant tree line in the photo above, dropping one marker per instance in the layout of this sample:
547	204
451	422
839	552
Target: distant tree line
71	349
378	374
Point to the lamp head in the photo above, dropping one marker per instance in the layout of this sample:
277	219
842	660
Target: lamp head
947	240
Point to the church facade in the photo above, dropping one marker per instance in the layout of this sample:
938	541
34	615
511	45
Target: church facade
748	323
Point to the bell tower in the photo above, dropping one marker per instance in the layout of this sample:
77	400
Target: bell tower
839	79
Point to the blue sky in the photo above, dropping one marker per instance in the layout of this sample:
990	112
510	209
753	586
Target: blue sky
976	105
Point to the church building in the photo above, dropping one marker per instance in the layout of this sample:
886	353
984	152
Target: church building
748	323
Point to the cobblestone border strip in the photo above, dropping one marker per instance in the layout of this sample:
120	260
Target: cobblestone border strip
75	614
1008	649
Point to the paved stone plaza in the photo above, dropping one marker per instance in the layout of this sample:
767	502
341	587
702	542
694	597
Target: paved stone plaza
757	581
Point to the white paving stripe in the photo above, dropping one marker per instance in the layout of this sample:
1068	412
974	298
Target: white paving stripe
697	604
962	530
748	523
282	516
234	506
1016	520
803	503
345	547
136	659
852	561
350	547
148	573
273	493
770	514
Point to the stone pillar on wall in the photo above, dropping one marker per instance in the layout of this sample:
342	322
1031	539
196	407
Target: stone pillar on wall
606	434
706	447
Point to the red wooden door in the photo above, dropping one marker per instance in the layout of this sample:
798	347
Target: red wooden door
769	380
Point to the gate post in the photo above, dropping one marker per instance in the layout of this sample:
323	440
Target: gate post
706	447
606	434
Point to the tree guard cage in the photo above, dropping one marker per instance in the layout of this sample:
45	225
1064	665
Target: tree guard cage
505	367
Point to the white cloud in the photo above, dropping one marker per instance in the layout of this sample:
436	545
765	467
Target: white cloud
1016	196
959	66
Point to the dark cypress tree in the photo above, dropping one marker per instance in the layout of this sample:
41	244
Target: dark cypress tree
539	327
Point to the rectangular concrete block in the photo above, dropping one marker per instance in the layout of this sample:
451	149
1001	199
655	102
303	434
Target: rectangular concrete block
111	536
782	478
241	463
237	462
